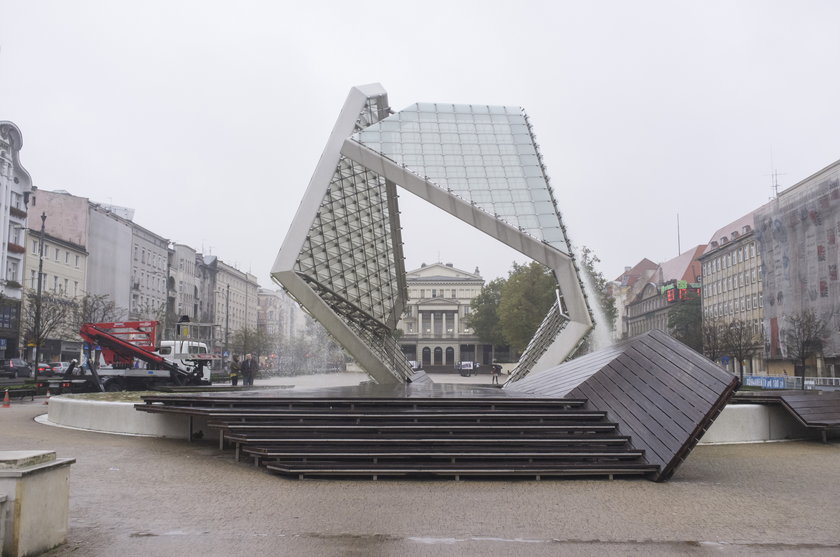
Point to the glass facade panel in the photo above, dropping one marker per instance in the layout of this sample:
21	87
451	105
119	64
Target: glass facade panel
492	147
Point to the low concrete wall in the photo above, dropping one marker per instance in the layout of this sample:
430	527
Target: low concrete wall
119	417
751	423
36	487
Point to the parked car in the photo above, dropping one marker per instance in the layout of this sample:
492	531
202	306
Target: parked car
14	367
59	367
45	369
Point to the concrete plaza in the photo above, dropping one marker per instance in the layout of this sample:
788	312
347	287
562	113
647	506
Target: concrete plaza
138	496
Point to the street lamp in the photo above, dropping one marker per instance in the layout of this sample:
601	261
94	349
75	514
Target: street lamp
37	325
227	322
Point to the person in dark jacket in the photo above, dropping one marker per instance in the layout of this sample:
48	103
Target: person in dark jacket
234	370
497	372
249	370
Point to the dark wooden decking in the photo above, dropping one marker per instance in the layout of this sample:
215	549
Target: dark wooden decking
816	410
414	430
660	392
636	409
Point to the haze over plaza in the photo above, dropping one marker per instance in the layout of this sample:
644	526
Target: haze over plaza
209	122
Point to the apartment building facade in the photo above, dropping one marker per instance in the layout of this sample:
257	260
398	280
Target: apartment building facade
732	288
797	235
15	191
650	309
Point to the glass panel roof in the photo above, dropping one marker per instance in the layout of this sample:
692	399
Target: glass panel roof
484	154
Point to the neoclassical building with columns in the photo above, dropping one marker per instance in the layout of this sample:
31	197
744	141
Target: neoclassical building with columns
435	332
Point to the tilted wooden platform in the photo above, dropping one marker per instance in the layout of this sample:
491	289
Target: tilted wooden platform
660	392
633	410
816	410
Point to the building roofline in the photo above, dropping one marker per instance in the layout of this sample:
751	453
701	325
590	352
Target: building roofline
788	191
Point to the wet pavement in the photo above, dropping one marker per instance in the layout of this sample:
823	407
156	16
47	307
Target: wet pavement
136	496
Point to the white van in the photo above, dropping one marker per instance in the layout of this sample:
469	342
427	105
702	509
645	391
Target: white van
179	352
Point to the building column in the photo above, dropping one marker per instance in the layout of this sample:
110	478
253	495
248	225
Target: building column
443	327
432	329
457	331
420	331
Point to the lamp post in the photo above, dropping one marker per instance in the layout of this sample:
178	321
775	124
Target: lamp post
37	324
227	316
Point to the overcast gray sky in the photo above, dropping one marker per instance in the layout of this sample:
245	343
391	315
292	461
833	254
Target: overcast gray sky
209	117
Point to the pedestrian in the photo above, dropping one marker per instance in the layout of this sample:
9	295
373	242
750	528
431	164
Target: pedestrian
497	371
233	373
249	370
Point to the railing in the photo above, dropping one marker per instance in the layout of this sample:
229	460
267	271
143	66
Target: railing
791	383
823	381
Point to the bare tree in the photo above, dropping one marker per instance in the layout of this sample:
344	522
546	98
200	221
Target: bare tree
739	341
96	308
804	337
56	317
713	338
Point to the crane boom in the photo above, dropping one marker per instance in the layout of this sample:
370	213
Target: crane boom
131	341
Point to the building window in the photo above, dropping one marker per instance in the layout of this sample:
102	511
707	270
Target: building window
77	261
75	288
8	317
55	284
12	270
34	247
56	254
33	276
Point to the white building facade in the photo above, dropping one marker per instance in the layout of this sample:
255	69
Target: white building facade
435	332
149	273
15	189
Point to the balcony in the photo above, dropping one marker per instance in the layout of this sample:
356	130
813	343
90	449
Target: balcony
19	213
15	248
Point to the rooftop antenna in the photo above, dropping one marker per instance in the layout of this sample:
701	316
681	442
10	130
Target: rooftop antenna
774	176
775	184
679	249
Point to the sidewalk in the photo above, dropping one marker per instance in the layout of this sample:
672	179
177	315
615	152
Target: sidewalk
134	496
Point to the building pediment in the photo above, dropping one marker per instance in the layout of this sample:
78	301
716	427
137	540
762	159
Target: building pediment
440	272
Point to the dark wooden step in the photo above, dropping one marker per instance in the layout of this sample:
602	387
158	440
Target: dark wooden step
403	431
198	404
483	440
454	452
538	470
282	416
